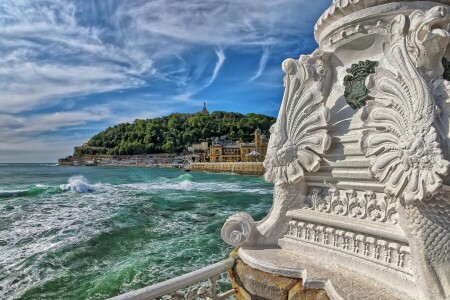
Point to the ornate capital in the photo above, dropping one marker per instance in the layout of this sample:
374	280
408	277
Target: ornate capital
401	136
299	136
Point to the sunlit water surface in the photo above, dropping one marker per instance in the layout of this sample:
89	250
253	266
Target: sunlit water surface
93	233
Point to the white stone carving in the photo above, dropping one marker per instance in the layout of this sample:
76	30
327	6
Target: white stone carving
401	137
405	144
355	204
378	211
376	249
300	135
342	8
238	229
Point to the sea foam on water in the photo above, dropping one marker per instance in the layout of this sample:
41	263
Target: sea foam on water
77	184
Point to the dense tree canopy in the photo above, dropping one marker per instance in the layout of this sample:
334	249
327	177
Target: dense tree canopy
174	133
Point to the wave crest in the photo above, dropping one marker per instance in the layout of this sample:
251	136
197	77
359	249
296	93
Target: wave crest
185	177
37	190
77	184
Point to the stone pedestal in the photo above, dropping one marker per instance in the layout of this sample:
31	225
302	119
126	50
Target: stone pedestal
252	284
360	159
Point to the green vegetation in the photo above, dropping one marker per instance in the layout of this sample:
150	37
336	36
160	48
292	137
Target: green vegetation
174	133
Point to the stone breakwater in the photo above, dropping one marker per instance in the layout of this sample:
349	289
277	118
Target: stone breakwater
248	168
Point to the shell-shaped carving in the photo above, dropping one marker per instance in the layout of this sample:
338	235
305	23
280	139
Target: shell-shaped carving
401	138
299	136
238	229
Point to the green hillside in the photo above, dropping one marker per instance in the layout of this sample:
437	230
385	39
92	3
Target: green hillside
174	133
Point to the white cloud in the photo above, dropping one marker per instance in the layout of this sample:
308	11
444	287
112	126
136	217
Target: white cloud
54	52
56	49
39	123
220	60
262	64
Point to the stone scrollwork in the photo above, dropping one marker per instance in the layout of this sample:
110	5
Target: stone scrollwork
299	136
238	229
400	135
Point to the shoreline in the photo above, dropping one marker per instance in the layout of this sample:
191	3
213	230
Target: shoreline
241	168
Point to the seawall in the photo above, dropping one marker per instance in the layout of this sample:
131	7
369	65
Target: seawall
247	168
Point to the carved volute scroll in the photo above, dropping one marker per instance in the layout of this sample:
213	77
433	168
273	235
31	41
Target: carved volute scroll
401	137
300	134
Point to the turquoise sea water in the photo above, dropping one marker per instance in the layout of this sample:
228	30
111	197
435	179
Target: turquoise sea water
93	233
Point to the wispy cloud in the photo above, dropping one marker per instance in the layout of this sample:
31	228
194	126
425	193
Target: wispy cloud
262	64
219	63
61	60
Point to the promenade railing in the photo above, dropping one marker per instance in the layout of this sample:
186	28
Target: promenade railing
178	287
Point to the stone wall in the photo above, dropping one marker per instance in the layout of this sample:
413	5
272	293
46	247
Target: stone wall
248	168
254	284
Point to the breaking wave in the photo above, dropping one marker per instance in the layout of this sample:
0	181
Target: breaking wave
77	184
34	191
184	177
130	228
185	183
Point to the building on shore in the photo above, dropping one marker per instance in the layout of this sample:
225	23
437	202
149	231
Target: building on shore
198	152
238	151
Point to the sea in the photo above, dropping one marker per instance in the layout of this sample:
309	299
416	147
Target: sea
96	232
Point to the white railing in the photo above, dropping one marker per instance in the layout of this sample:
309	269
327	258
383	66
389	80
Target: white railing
174	287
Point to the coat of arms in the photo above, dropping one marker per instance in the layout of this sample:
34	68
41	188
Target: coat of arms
356	94
446	64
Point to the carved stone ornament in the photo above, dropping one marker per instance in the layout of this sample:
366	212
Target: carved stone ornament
300	134
361	202
238	229
401	137
407	126
356	93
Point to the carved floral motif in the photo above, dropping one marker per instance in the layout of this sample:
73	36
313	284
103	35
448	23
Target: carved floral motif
299	134
362	205
401	137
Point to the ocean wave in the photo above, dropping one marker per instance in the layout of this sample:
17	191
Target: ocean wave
188	185
77	184
34	191
185	177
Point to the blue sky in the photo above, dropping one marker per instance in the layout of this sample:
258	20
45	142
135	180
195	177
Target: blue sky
69	69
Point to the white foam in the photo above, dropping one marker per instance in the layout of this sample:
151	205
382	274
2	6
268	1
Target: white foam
77	184
187	185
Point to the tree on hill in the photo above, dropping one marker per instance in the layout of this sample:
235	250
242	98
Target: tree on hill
174	133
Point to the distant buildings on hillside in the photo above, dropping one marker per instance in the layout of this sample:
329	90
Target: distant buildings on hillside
239	151
221	149
224	150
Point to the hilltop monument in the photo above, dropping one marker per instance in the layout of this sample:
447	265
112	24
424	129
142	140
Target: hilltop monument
204	110
359	157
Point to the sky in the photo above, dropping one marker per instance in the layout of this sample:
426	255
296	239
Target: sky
70	69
